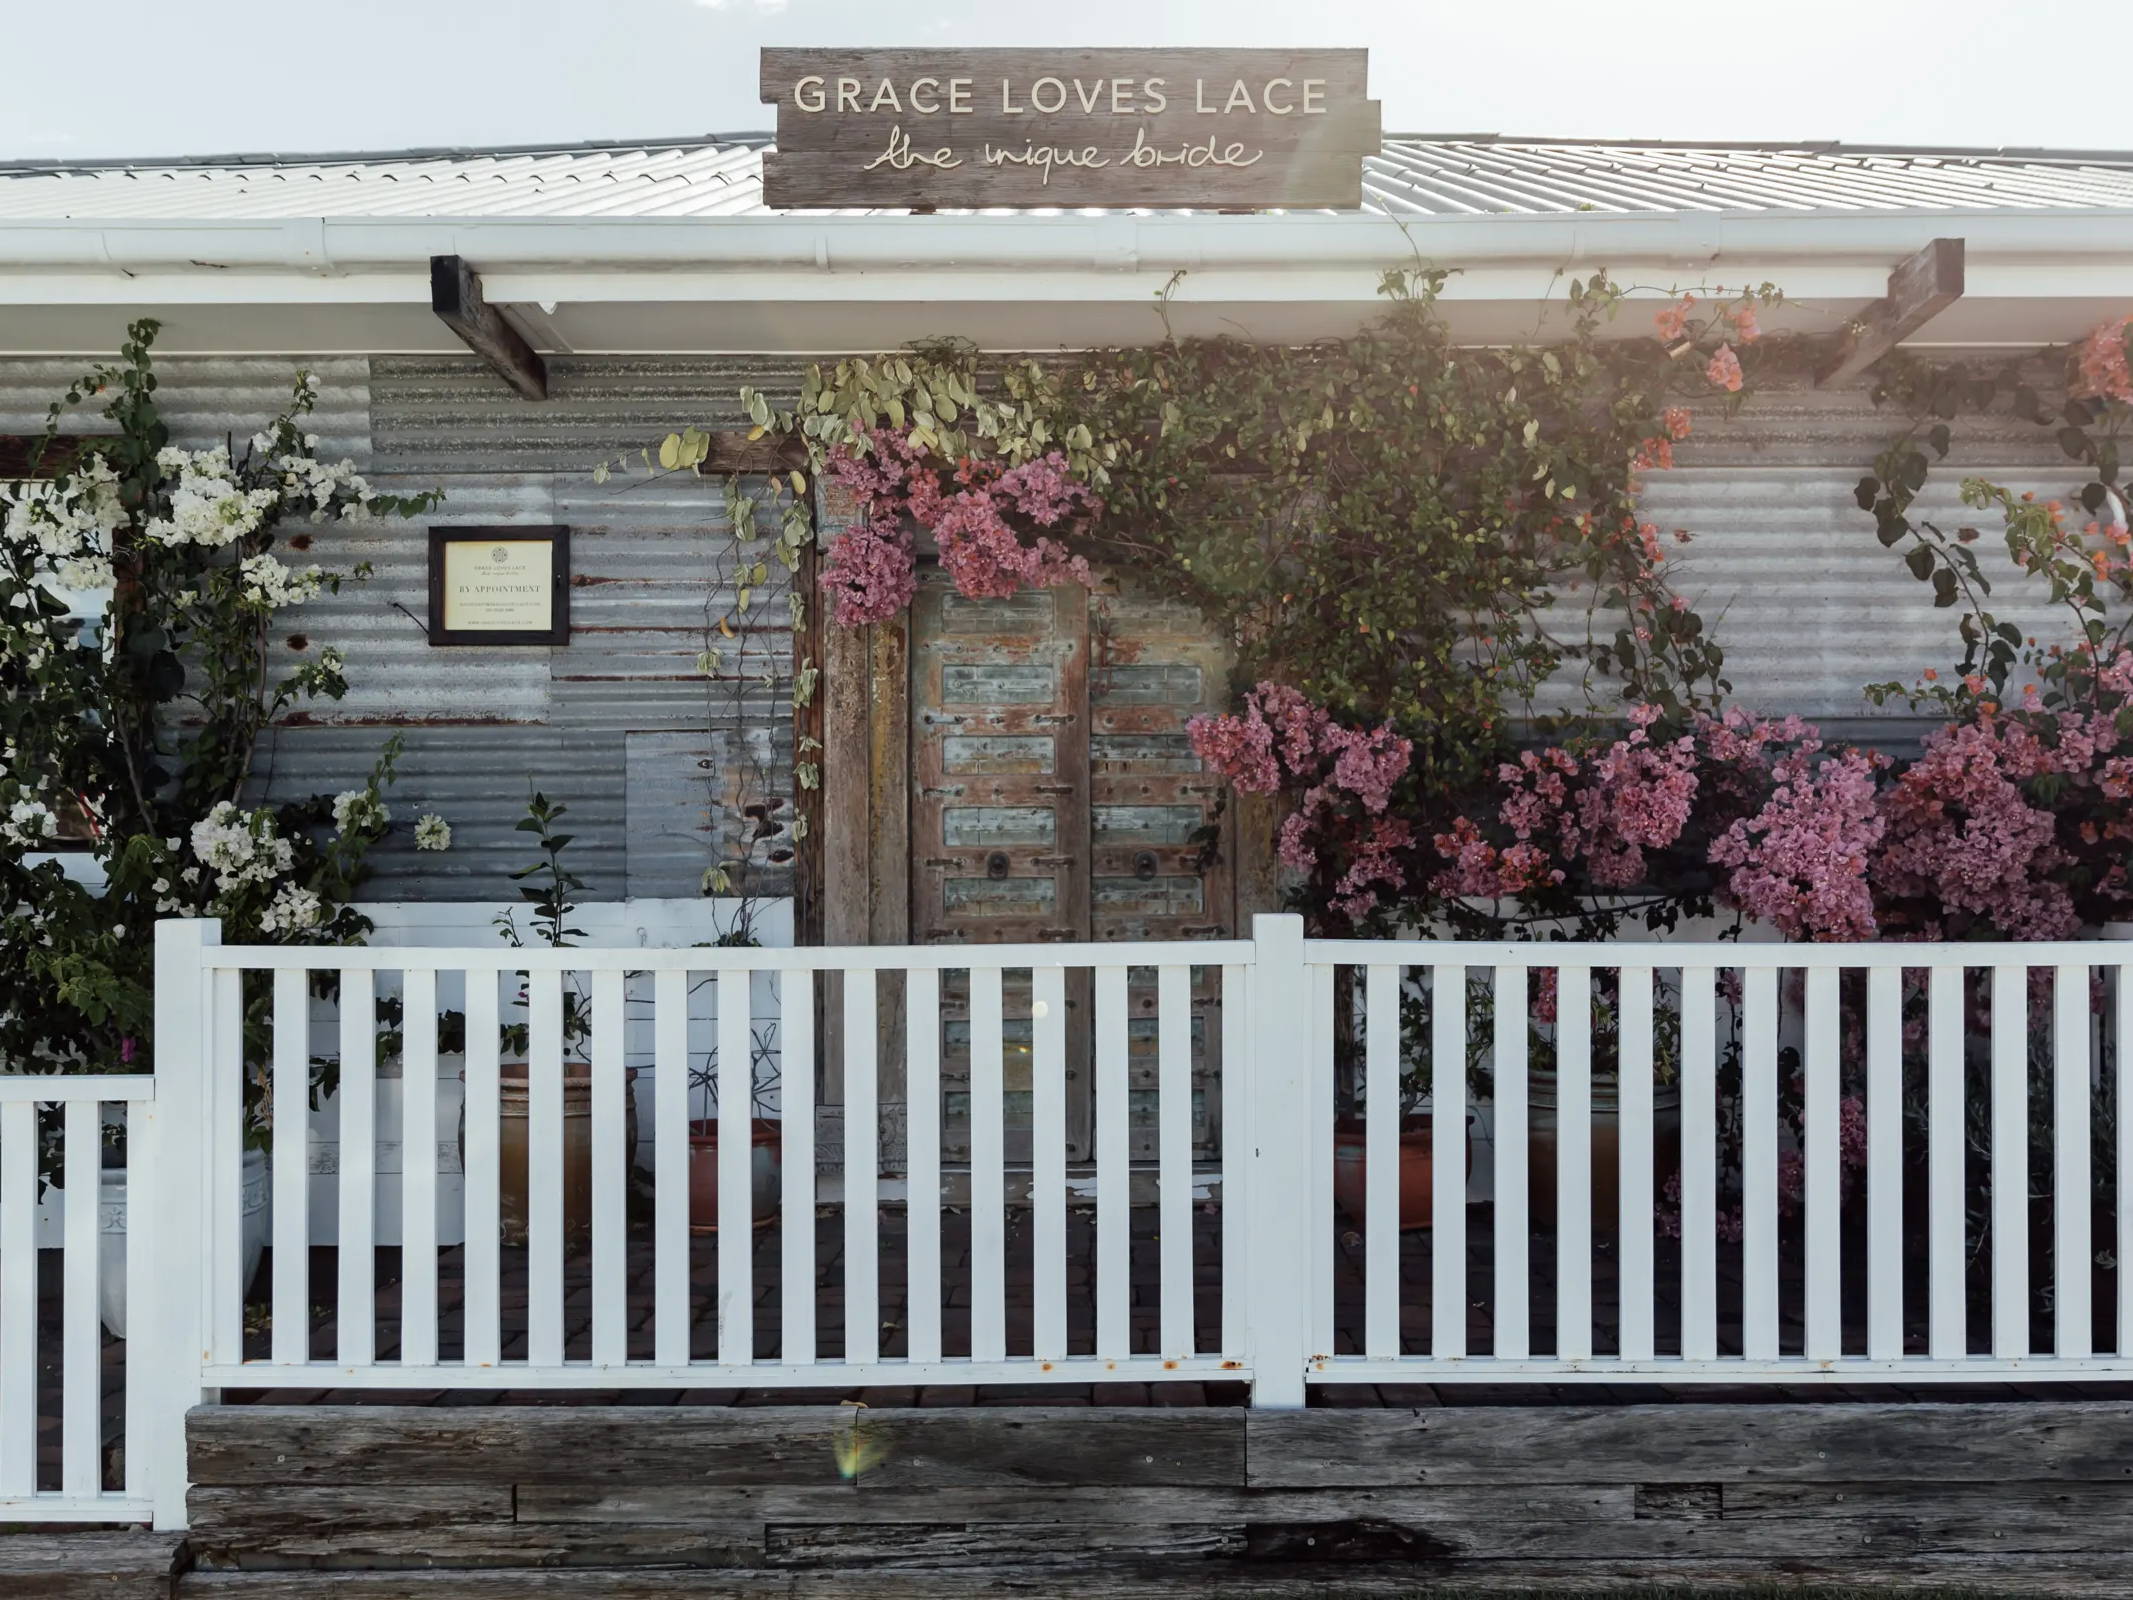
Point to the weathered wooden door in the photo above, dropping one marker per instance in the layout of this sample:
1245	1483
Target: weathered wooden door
1055	798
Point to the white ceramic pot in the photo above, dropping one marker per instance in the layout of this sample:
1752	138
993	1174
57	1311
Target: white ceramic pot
111	1210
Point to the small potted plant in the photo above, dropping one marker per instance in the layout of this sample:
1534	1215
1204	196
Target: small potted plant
1543	1097
550	892
1417	1136
765	1138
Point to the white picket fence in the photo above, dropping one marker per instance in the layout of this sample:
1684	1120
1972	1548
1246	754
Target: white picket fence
1730	1011
1690	1090
60	1124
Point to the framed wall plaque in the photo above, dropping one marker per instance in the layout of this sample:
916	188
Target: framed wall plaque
500	585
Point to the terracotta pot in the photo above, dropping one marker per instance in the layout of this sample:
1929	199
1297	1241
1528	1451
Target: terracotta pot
1417	1170
514	1141
765	1171
1542	1149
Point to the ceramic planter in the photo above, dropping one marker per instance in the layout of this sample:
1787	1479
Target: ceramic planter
1418	1167
514	1147
111	1258
1542	1148
765	1171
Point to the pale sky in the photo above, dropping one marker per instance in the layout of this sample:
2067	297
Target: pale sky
177	77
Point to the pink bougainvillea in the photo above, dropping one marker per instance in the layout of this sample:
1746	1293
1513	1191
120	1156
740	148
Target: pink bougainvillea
1800	863
1724	370
1343	778
1604	809
1966	842
971	512
2101	369
871	573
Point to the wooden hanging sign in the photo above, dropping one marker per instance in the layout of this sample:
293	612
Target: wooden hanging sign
1219	129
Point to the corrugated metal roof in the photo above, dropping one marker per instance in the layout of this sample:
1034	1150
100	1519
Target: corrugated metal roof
1414	176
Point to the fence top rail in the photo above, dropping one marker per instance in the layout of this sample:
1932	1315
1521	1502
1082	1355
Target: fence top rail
721	958
1610	954
102	1087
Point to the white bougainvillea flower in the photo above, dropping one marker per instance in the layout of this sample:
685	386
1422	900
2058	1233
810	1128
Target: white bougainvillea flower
359	810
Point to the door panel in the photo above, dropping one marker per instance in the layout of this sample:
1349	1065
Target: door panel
1056	797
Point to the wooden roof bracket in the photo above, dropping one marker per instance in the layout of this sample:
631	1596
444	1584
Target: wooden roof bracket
455	295
1920	288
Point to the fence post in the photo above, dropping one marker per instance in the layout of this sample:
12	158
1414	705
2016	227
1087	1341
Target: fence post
1276	1083
167	1162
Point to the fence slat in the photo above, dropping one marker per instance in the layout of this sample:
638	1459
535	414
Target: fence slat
922	1139
483	1347
2073	1331
1512	1196
18	1298
610	1176
670	1169
1048	1161
418	1169
1114	1266
2122	1164
796	1153
1447	1307
1759	1164
862	1165
1573	1170
355	1316
736	1159
1634	1141
1381	1160
1948	1336
1699	1166
1174	1156
1318	1162
81	1422
1230	1089
1825	1309
1884	1163
988	1156
292	1168
225	1143
544	1169
2010	1159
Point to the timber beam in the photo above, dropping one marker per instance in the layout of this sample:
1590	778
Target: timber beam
1920	289
455	295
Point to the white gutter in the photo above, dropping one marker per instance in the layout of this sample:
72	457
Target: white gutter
338	246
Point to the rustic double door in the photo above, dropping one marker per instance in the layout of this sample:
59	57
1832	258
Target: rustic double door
1055	798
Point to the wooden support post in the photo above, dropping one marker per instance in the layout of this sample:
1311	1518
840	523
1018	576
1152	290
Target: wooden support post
455	295
1920	288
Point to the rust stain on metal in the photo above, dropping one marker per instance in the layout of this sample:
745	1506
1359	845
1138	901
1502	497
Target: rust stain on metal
309	719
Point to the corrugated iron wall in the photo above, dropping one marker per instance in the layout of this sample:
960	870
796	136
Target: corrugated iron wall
1785	566
621	727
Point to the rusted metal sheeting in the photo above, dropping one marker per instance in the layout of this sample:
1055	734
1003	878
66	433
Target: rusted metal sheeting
206	402
622	726
451	413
